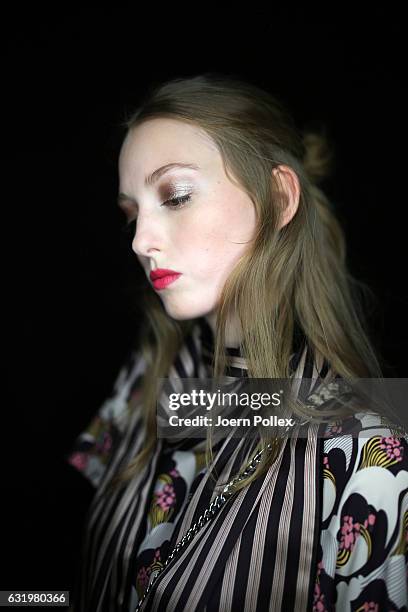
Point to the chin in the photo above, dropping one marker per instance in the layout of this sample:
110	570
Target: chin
184	311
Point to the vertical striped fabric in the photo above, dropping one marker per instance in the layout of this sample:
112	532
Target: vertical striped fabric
260	551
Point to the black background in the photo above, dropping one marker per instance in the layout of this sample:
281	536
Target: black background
70	318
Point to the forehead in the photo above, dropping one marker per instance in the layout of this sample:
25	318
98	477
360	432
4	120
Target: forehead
160	141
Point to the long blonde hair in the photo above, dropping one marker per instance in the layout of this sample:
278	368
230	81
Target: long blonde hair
298	273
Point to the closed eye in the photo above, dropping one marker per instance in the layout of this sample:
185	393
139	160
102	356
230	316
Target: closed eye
173	203
179	202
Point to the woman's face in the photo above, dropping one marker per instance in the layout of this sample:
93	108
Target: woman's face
203	236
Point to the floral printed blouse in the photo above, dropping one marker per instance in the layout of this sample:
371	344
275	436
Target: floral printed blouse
363	553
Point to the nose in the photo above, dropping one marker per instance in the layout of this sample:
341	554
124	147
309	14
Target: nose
147	238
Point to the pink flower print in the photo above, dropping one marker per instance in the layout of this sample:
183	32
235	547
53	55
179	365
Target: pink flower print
326	462
350	530
78	460
318	599
174	472
349	533
370	520
143	576
166	498
318	596
370	606
144	573
392	447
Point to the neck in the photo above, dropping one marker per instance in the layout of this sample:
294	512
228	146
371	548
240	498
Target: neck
233	330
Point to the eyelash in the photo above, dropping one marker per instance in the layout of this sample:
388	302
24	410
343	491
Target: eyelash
180	202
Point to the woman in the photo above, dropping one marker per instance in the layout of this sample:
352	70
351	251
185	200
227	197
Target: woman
245	277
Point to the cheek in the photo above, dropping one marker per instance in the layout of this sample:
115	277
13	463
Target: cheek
202	251
213	243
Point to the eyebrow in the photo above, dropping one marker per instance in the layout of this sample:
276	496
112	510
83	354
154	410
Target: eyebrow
154	177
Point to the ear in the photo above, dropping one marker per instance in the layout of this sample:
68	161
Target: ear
288	183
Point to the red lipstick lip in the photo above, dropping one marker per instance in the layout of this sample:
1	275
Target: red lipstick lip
164	281
160	272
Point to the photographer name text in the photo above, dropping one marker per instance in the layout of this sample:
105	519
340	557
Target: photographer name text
206	421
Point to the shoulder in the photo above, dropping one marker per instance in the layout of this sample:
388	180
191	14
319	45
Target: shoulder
365	511
95	446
